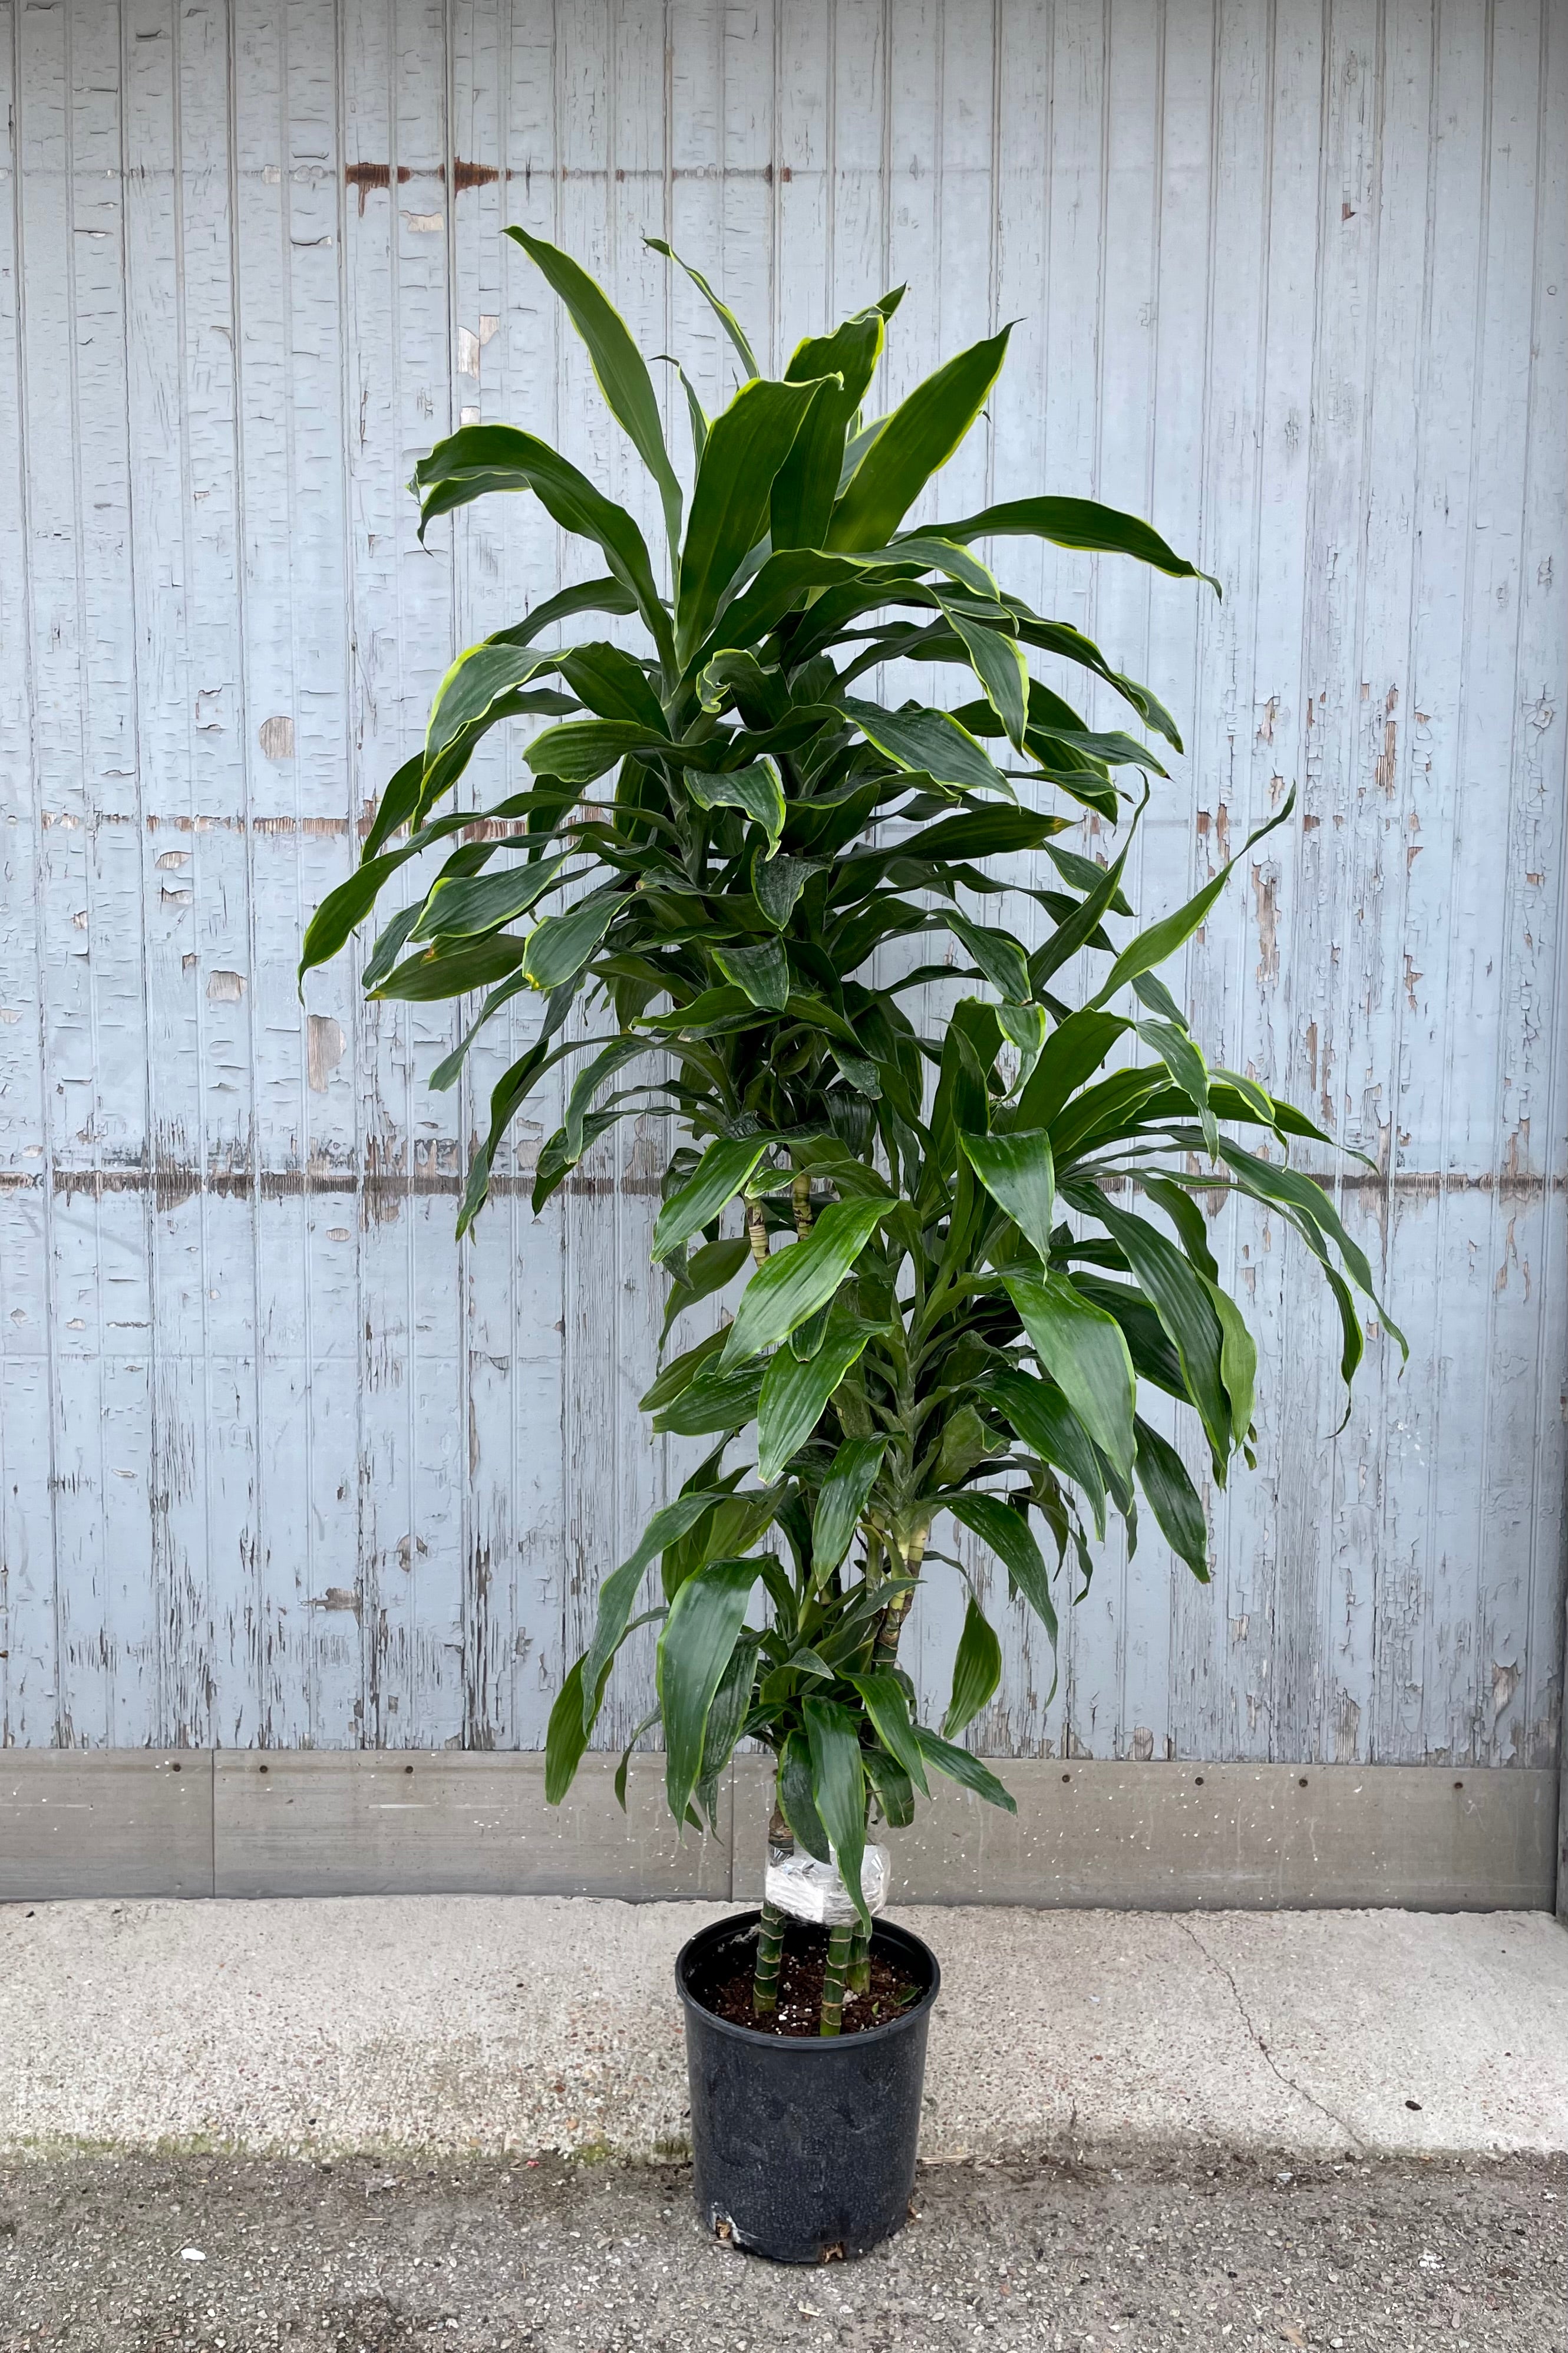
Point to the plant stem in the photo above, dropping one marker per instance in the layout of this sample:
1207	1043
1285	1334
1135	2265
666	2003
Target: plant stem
771	1933
757	1230
800	1202
859	1979
838	1945
911	1554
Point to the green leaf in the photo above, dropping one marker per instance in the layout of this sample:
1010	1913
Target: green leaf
589	1080
755	790
721	311
883	1696
777	883
967	1770
976	1671
761	969
1083	1350
1183	1302
850	1479
745	447
1077	523
1073	1050
480	678
803	1277
619	367
1184	1059
709	1270
997	953
1163	939
441	971
619	1593
561	945
466	907
720	1175
1050	1428
794	1394
927	743
839	1788
1173	1499
346	907
483	458
1011	1538
1024	1026
716	1400
566	1733
1016	1170
580	750
726	1721
612	684
997	661
796	1803
919	437
694	1649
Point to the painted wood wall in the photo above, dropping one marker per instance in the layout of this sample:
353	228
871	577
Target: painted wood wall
282	1464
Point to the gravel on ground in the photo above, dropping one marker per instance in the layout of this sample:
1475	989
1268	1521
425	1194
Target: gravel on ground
137	2253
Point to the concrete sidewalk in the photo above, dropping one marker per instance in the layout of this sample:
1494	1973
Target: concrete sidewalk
479	2024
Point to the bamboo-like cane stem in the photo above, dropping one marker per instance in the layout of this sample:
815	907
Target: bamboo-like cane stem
859	1977
757	1230
800	1202
838	1944
771	1931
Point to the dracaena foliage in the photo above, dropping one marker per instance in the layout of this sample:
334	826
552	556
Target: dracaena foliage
731	871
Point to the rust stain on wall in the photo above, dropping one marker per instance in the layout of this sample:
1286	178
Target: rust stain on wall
365	176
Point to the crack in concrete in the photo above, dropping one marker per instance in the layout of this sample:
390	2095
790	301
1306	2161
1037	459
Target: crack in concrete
1273	2065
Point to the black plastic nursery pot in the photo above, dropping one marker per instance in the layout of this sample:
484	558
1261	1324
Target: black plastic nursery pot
804	2148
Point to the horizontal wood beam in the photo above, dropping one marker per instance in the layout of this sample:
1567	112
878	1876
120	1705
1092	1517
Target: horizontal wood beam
1163	1837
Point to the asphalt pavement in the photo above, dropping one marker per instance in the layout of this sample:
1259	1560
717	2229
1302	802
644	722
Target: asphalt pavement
145	2255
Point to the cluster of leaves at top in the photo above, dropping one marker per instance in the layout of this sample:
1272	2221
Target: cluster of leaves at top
967	1298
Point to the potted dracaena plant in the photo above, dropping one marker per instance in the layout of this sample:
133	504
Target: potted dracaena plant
988	1229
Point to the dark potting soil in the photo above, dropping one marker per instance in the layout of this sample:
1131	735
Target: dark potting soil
727	1994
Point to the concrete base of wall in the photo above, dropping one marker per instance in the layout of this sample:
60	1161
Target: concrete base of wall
1147	1837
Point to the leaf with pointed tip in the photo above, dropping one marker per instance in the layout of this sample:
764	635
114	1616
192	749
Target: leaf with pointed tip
966	1770
694	1649
1173	1499
796	1802
883	1696
917	439
794	1394
1077	523
619	1593
445	971
613	685
1017	1171
756	789
1001	960
777	883
468	907
797	1281
1183	1302
761	969
928	743
745	447
1049	1427
997	661
976	1671
720	1175
838	1789
720	309
1011	1538
561	945
840	1502
479	458
619	368
1084	1351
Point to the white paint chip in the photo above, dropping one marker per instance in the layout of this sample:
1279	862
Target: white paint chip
467	417
225	988
324	1049
276	737
425	223
172	860
337	1233
468	351
488	325
270	175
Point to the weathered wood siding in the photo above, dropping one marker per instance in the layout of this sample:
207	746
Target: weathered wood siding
282	1464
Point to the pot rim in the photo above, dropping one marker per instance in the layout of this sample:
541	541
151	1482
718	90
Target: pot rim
819	2045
